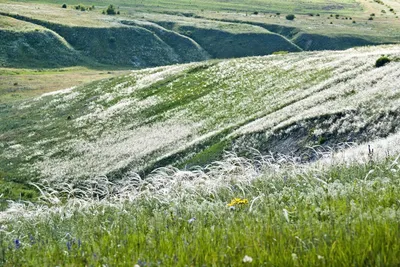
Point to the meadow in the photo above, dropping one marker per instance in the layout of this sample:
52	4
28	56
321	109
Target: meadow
235	212
199	133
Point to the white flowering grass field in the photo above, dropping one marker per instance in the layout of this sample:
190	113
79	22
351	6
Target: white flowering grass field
73	161
235	212
188	115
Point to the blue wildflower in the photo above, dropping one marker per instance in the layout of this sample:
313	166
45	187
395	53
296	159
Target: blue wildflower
17	243
69	245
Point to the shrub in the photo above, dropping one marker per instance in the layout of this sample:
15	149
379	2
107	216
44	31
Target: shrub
290	17
111	10
255	12
370	18
382	61
81	7
64	6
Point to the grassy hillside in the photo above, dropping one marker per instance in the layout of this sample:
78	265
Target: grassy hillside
188	114
236	212
155	35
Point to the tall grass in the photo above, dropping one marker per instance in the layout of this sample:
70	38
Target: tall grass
296	215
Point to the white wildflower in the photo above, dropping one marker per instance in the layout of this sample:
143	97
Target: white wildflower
247	259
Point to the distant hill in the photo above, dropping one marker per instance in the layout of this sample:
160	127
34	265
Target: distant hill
48	36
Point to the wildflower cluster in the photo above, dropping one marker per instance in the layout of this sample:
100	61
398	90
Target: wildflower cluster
238	202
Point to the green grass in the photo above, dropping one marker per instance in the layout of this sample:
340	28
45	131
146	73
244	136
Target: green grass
47	35
213	5
347	216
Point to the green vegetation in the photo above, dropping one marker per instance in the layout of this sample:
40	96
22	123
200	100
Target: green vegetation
189	114
323	216
111	10
382	61
261	6
290	17
63	37
89	174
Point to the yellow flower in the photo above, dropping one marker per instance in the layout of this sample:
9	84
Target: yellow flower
238	201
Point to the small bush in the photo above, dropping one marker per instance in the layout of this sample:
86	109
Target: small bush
354	21
382	61
111	10
370	18
372	15
255	13
278	13
64	6
290	17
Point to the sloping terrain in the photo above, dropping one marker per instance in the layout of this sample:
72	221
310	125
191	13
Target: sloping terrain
63	37
25	44
188	114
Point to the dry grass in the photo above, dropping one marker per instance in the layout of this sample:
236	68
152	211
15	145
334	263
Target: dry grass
18	84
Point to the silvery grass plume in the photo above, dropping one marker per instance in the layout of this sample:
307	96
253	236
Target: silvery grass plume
166	185
197	186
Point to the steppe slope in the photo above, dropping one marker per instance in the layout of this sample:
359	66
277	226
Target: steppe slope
188	114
